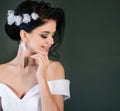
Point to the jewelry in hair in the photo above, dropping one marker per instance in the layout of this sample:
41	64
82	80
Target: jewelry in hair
18	19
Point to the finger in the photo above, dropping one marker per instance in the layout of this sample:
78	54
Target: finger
36	56
41	52
40	57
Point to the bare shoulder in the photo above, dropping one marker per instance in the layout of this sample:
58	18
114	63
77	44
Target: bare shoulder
55	70
3	68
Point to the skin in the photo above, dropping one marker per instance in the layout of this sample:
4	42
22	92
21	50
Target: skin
39	68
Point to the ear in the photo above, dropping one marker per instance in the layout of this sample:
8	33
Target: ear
24	35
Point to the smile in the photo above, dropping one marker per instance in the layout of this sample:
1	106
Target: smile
47	48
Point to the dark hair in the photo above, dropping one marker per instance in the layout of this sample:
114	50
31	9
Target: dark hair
45	11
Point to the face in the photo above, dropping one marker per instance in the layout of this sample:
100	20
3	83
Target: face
41	38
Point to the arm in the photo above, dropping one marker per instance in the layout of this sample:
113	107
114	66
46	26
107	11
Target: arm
50	102
47	72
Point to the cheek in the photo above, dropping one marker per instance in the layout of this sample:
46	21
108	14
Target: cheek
35	44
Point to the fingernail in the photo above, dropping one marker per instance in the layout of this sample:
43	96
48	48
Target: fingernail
32	56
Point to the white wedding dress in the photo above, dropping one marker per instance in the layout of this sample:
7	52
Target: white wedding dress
31	100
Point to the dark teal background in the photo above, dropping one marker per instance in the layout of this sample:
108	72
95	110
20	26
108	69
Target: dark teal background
90	52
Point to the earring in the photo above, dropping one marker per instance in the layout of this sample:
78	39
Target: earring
23	46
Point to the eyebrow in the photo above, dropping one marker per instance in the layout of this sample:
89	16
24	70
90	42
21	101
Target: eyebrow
45	31
48	32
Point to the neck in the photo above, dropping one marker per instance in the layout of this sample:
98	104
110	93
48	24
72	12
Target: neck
24	60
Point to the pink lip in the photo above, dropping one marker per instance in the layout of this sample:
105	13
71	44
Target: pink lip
46	48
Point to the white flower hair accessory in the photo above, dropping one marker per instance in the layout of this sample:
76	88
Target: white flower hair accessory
26	18
34	16
18	20
10	17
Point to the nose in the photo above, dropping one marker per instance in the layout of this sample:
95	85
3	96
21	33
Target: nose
50	41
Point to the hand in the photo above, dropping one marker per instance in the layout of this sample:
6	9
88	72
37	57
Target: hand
43	61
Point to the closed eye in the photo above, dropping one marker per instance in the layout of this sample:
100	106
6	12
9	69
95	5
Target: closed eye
44	36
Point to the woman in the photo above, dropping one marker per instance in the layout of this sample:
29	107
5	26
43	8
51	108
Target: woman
33	81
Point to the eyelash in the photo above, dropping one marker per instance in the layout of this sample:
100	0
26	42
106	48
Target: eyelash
45	36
